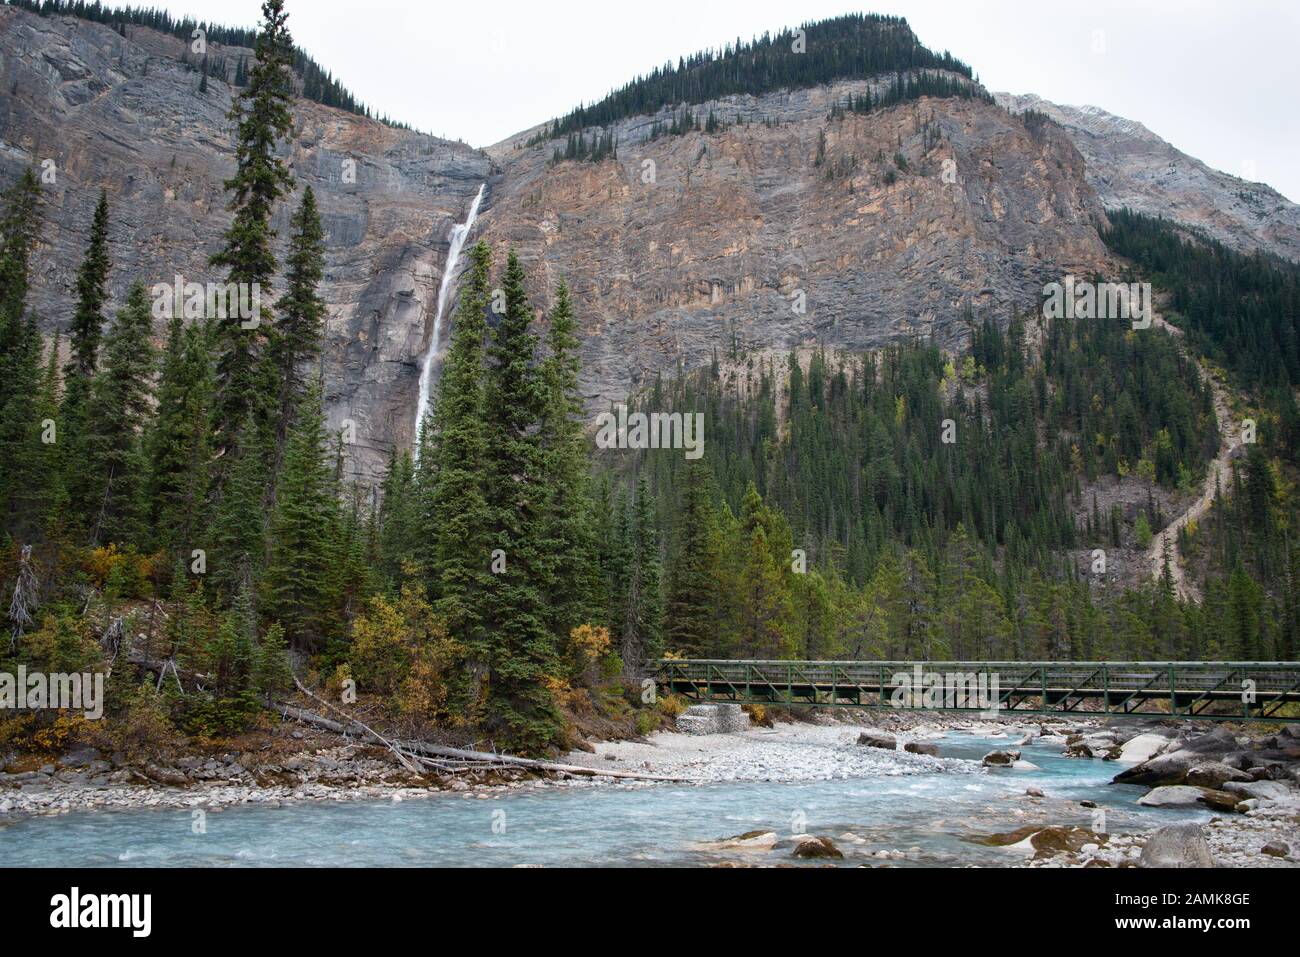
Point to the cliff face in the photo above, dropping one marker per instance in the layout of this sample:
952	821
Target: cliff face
784	227
126	114
1128	165
685	240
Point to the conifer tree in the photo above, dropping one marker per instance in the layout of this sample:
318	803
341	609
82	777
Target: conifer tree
569	533
455	516
88	318
262	117
19	229
523	652
121	401
296	337
692	604
23	482
297	582
642	635
176	443
237	533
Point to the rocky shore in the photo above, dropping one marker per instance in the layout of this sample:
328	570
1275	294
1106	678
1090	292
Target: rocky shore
1248	782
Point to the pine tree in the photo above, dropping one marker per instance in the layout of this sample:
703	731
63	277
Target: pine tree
88	318
523	652
237	533
23	482
19	229
692	604
262	116
176	443
569	532
120	403
296	338
455	516
297	583
642	633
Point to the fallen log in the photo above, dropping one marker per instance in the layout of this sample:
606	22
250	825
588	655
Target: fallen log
397	752
440	751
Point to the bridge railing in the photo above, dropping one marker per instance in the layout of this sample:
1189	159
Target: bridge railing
1190	688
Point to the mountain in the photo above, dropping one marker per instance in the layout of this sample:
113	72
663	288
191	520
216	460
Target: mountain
847	210
1129	166
126	113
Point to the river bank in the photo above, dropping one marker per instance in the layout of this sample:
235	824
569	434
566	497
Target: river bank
791	782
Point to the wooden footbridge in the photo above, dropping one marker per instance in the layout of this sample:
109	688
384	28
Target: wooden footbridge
1204	690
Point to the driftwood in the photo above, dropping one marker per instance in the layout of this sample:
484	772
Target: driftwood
424	749
397	752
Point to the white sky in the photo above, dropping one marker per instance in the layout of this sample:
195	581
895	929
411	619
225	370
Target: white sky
1217	78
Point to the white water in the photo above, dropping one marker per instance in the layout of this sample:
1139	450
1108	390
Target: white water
459	233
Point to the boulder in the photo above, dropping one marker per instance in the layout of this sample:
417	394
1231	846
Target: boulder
1275	849
1177	845
749	841
1034	792
1218	741
872	738
1278	791
1078	750
1003	759
1163	769
1175	795
1220	800
1042	842
168	776
1141	748
1214	774
80	758
817	847
922	747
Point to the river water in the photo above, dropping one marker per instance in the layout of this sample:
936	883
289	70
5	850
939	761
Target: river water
611	825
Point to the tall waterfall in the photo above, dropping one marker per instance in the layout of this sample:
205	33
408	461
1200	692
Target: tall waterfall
459	233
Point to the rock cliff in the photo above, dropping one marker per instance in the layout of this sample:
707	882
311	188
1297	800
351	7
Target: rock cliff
784	226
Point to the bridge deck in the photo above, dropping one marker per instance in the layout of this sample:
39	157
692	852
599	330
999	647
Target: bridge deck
1212	690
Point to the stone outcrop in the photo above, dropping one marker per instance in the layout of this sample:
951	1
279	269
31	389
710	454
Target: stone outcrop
788	228
1128	165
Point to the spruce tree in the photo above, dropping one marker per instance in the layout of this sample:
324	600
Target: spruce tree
523	652
121	401
88	317
642	636
296	338
262	116
568	533
296	586
237	534
24	483
176	444
455	516
19	229
692	604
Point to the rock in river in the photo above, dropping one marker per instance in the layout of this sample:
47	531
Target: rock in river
1177	845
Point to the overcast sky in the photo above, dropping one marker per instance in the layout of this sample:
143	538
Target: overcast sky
1217	78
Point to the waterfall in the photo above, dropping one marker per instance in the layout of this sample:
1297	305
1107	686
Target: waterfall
459	233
